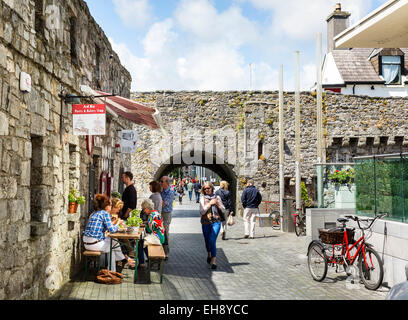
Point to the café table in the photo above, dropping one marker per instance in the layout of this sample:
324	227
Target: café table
123	236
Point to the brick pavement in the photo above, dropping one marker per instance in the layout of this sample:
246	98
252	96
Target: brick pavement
273	267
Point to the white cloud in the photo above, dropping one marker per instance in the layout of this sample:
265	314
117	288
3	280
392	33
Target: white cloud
159	37
200	47
134	13
201	19
301	19
196	49
213	67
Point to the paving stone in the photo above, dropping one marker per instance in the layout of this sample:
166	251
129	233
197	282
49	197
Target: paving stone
273	267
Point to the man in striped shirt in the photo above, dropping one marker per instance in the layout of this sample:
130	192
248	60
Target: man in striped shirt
167	211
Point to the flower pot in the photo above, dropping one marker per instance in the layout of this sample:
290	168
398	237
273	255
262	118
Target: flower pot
133	230
72	207
345	197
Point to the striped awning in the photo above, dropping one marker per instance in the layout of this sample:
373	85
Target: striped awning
129	109
124	107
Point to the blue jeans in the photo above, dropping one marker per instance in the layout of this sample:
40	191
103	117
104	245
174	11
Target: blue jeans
210	232
197	194
190	194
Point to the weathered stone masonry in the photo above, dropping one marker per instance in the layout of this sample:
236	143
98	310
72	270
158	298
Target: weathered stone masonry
353	125
40	159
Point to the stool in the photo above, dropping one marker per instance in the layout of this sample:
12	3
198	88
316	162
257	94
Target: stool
90	254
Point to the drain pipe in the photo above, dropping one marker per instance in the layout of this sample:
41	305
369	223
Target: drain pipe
281	145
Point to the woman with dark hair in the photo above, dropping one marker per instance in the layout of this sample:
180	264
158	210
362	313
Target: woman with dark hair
99	223
225	196
155	189
180	191
212	210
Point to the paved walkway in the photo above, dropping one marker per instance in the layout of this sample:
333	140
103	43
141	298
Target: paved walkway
265	268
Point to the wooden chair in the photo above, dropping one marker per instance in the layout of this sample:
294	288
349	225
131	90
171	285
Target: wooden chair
156	252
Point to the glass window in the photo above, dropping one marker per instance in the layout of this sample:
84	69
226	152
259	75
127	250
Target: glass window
382	186
391	69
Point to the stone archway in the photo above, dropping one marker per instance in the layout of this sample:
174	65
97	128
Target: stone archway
224	170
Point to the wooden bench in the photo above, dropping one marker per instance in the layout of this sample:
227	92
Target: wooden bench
90	254
156	252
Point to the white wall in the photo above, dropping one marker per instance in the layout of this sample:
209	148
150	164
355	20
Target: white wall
379	91
330	73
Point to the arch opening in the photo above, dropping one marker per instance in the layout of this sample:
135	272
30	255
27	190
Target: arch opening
224	171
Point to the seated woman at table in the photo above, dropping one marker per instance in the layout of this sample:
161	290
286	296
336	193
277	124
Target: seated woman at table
99	222
154	228
117	206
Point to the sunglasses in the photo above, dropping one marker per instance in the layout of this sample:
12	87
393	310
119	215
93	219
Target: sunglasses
205	189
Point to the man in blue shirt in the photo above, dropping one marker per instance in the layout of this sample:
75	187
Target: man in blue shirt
251	199
167	211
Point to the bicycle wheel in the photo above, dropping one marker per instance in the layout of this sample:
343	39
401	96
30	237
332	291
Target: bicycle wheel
275	216
298	227
371	269
317	262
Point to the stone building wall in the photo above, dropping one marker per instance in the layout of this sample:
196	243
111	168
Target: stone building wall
354	125
57	43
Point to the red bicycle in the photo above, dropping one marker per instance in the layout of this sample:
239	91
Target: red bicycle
300	223
338	248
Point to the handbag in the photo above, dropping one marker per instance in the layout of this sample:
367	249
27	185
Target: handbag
150	238
109	277
231	220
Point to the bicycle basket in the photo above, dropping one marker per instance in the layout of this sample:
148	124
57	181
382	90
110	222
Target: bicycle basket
335	236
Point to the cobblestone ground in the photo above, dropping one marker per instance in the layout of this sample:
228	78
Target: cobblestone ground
270	267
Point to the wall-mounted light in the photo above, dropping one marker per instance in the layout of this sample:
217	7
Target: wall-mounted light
72	99
69	98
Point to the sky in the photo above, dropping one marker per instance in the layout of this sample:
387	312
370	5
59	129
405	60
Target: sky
219	45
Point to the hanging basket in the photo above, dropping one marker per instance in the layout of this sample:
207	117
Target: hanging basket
72	207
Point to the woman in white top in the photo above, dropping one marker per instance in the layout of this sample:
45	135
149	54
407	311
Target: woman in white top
212	210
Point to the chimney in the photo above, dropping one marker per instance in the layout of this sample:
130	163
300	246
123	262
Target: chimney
337	22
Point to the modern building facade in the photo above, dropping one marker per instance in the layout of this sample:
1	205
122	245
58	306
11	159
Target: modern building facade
374	72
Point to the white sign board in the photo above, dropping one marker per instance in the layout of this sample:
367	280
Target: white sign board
89	119
25	82
128	142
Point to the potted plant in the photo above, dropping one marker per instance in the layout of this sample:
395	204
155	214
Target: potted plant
306	200
343	181
134	221
342	177
116	194
74	199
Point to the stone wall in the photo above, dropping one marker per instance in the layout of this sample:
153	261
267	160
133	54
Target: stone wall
353	125
56	42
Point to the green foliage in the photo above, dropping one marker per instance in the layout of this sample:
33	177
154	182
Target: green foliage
342	177
134	219
382	186
74	196
305	195
116	194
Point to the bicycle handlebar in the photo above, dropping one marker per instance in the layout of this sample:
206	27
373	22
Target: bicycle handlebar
358	220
